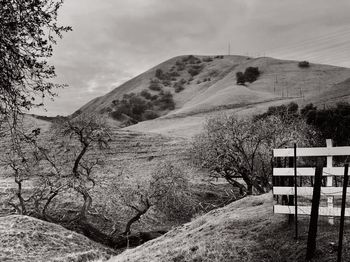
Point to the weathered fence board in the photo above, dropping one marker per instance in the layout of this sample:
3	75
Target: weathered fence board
307	191
308	171
313	151
306	210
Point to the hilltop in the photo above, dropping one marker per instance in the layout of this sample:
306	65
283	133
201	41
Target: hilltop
212	89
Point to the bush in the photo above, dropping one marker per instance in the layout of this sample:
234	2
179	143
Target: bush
144	93
180	65
166	82
174	74
165	101
195	70
304	64
155	85
149	114
333	123
207	59
159	74
251	74
179	88
191	60
131	105
240	79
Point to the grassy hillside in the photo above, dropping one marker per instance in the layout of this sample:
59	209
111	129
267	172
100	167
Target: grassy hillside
214	89
246	230
25	238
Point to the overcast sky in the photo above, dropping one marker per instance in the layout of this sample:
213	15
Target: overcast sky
115	40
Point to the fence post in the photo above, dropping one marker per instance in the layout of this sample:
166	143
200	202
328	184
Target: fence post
329	183
291	198
311	240
295	192
342	215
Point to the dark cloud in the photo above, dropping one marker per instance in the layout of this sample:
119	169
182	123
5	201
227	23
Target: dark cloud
114	40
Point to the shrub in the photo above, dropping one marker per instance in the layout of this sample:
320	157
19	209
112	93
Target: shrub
131	105
174	74
240	78
180	65
332	122
165	101
149	114
154	97
179	88
155	86
304	64
159	74
144	93
195	70
166	82
251	74
207	59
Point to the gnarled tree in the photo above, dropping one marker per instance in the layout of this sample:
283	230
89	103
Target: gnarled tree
240	150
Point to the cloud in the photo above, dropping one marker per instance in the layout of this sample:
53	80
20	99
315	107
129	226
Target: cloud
114	40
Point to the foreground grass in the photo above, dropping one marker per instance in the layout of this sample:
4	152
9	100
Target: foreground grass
24	238
246	230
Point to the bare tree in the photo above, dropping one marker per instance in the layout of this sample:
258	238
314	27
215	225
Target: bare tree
167	194
66	162
241	149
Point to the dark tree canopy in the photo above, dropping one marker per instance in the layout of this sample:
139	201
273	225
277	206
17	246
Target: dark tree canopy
332	122
28	30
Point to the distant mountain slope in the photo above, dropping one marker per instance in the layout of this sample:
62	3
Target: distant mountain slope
25	238
214	89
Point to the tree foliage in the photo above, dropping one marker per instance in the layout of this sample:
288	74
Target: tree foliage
333	122
28	31
250	75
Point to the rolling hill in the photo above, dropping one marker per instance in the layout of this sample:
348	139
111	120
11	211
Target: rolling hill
28	239
246	230
214	90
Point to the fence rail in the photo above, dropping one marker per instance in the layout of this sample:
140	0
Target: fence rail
329	172
306	210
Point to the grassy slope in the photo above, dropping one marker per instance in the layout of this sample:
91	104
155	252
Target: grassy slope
25	238
317	84
245	230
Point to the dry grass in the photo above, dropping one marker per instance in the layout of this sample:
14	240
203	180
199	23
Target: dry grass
24	238
320	84
245	230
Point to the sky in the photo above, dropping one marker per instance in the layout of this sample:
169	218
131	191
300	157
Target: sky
115	40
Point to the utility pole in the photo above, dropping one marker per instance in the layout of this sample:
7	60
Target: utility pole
229	48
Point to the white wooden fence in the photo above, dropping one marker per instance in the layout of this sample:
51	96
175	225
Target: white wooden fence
329	172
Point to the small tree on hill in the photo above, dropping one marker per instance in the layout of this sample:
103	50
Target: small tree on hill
240	79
